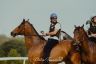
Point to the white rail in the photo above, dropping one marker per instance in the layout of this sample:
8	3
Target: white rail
14	58
19	58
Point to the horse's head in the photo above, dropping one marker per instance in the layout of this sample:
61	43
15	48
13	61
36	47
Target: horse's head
79	33
24	28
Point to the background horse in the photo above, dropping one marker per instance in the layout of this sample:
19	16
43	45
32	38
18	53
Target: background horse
88	48
35	44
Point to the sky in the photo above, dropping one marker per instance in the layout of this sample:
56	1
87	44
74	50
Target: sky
70	13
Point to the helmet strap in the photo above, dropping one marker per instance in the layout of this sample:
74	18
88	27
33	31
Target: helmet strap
54	22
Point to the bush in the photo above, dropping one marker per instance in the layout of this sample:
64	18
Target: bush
14	44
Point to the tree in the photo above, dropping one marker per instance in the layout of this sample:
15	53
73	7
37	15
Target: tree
14	53
2	53
3	39
14	44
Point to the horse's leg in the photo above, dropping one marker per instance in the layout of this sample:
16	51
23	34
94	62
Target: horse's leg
75	58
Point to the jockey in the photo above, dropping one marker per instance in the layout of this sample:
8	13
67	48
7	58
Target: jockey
53	40
92	28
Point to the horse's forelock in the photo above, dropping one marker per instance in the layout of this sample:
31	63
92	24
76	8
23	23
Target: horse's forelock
77	28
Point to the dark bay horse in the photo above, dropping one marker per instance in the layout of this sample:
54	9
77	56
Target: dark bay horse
35	44
88	48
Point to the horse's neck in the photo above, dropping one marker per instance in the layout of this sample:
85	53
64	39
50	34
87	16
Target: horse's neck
30	41
85	44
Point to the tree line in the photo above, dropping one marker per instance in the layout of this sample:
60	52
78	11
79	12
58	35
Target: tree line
12	47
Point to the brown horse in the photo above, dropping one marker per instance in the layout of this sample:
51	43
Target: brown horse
88	48
35	44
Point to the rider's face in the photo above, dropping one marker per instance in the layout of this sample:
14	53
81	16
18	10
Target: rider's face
94	19
53	19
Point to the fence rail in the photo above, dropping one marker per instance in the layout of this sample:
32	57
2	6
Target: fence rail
14	58
19	58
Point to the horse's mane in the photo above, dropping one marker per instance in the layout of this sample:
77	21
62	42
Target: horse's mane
35	31
85	32
69	37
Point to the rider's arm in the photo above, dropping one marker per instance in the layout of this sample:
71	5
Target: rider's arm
86	27
57	27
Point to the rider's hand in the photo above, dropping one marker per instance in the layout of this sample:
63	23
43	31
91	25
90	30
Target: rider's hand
42	32
94	35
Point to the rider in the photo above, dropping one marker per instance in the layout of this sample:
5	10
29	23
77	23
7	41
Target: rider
53	40
92	28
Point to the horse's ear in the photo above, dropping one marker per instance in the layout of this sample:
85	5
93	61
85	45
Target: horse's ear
23	19
82	26
28	20
75	26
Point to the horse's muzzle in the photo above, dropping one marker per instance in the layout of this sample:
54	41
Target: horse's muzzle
13	34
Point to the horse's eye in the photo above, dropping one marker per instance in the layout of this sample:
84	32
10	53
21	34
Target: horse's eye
18	26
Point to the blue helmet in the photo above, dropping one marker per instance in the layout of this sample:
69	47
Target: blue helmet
53	15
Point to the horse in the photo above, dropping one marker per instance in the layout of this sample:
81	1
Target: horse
35	44
88	48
